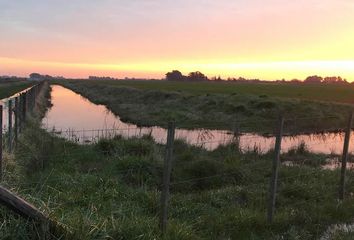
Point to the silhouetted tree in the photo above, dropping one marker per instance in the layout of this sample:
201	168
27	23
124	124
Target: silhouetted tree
295	81
337	80
175	75
35	75
197	77
313	79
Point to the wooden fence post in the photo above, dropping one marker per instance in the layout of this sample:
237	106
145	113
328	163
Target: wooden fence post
1	142
345	158
274	179
32	99
25	209
24	108
9	132
16	120
167	177
19	112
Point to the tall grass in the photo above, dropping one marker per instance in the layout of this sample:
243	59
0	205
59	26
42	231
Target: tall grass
111	190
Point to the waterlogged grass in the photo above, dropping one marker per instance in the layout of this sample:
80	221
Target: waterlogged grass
9	88
216	110
111	190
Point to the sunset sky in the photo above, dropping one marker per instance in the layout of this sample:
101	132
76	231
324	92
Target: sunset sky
266	39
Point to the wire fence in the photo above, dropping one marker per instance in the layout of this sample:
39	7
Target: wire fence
291	191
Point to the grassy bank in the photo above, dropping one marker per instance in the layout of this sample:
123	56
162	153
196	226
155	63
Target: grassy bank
9	88
111	190
191	109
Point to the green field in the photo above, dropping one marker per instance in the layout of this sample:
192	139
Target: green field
251	107
9	88
319	92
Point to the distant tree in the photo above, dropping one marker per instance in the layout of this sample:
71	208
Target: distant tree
175	75
295	81
217	79
337	80
35	75
313	79
197	77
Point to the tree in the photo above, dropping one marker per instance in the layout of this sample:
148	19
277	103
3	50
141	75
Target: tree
175	75
35	75
197	77
313	79
337	80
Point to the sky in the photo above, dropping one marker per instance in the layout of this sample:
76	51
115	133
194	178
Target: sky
265	39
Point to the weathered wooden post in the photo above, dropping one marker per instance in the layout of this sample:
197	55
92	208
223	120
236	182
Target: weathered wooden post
25	209
24	108
345	158
10	126
16	121
29	100
33	99
274	179
1	143
19	112
167	177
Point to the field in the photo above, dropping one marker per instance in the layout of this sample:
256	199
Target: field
220	105
9	88
318	92
111	189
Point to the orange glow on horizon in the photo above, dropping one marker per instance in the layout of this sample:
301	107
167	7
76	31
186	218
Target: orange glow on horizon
262	70
146	39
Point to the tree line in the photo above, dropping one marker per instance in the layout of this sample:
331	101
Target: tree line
197	76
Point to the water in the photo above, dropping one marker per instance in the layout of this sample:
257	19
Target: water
76	118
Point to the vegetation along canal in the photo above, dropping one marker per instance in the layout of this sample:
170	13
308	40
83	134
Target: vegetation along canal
76	118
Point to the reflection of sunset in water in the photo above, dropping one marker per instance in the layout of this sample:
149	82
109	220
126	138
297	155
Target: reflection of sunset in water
81	120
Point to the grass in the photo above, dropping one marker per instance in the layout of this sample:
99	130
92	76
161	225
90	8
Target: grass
111	190
9	88
318	92
155	103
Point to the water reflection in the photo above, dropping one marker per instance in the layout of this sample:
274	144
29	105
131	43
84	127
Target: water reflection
76	118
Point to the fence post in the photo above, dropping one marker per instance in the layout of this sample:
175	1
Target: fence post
274	179
10	126
16	121
345	158
24	108
1	143
19	112
167	177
